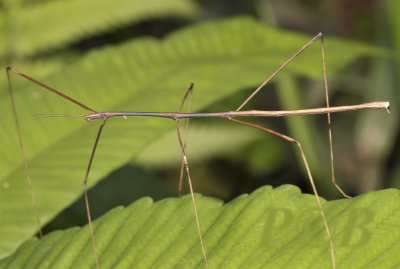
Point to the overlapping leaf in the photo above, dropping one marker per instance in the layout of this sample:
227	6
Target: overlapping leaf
270	228
45	26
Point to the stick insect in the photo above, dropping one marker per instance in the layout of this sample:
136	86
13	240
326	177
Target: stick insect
177	116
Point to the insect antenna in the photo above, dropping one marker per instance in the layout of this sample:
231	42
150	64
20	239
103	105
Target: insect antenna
43	116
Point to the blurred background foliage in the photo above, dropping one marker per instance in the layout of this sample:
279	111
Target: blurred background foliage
45	37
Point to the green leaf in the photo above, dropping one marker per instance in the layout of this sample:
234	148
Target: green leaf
222	140
55	24
302	129
221	58
270	228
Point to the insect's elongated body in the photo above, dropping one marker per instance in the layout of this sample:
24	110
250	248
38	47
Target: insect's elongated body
177	116
232	114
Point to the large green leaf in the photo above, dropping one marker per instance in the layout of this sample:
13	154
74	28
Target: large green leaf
270	228
222	140
145	75
45	26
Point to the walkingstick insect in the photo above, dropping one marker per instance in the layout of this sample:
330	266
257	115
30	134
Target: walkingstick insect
177	117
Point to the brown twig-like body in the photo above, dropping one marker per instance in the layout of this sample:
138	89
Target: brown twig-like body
233	114
176	116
